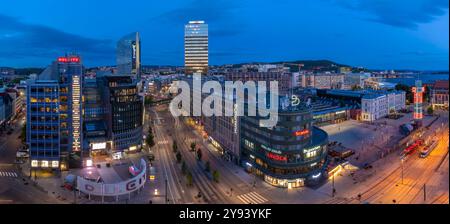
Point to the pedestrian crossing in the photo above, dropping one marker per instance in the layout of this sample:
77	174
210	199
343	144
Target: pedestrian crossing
163	142
252	198
8	174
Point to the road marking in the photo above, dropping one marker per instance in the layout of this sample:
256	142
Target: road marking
252	198
8	174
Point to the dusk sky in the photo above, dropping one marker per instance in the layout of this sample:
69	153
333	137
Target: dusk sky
378	34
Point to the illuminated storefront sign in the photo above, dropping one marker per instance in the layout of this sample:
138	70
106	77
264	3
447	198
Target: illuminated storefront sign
69	59
76	115
418	92
270	149
301	132
276	157
96	146
34	163
312	152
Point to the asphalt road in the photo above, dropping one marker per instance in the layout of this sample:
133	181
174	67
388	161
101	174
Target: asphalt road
14	188
417	172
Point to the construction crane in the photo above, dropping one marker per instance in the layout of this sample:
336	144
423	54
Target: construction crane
299	65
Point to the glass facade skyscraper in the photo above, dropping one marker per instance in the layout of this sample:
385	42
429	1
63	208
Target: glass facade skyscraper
196	47
129	55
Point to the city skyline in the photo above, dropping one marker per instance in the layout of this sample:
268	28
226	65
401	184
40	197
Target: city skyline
413	36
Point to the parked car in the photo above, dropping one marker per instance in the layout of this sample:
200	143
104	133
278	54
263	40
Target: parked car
22	154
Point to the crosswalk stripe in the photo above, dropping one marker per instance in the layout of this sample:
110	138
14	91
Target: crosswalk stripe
243	199
8	174
252	197
258	196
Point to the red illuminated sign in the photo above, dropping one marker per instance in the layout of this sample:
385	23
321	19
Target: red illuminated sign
69	59
276	157
301	132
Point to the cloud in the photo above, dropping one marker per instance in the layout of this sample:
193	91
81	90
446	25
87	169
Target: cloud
20	40
405	14
219	14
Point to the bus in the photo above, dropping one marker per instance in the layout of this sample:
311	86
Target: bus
427	149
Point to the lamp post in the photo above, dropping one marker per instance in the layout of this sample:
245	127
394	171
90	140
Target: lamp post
402	168
334	189
167	200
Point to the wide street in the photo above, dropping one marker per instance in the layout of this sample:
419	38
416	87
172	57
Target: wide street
387	185
14	188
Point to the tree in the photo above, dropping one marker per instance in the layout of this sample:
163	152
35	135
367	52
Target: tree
183	168
178	157
207	166
23	133
150	130
199	154
216	175
430	110
150	140
148	100
407	89
175	147
193	145
356	87
189	178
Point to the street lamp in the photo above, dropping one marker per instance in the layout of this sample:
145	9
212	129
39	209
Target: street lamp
402	168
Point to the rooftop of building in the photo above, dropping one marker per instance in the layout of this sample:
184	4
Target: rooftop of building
441	84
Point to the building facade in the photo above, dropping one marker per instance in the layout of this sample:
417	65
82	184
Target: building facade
439	94
322	80
128	56
291	154
196	47
380	104
6	107
124	109
284	79
355	80
54	114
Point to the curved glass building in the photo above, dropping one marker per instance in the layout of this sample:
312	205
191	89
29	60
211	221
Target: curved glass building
291	154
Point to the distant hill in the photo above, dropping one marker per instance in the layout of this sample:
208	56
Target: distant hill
313	65
27	71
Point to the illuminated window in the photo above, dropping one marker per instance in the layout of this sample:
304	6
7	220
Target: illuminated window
249	144
55	164
44	163
34	163
311	153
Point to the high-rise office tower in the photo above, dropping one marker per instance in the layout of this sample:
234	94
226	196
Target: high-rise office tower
196	47
54	107
124	109
129	56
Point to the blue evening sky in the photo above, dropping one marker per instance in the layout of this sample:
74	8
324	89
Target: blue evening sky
378	34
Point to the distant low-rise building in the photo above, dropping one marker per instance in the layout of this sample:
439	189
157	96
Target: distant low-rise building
380	104
6	107
284	78
322	80
439	94
355	80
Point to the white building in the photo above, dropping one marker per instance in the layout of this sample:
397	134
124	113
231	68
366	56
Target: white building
378	105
